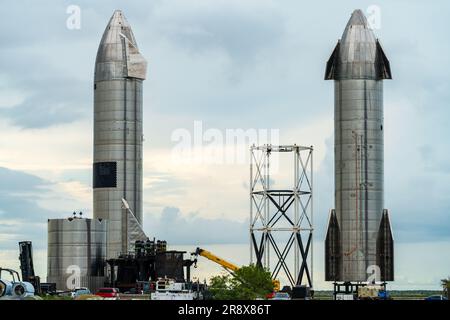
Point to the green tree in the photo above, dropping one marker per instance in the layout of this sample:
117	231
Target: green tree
247	283
220	288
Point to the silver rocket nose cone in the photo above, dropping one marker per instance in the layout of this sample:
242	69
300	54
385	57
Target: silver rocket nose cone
117	26
358	55
358	19
358	30
111	43
118	54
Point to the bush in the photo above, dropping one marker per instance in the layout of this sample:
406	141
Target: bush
247	283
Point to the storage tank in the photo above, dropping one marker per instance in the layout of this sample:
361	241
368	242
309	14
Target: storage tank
76	253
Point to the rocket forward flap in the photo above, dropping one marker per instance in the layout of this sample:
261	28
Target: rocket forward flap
385	249
333	249
137	66
332	63
383	65
136	63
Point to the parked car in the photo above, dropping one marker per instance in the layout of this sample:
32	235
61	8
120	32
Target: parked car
281	296
430	298
79	291
108	292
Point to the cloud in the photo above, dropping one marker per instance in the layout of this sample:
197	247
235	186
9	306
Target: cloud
178	228
27	201
49	94
48	112
16	181
19	193
55	153
38	63
241	29
21	216
232	64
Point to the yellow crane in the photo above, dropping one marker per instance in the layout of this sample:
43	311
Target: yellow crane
227	265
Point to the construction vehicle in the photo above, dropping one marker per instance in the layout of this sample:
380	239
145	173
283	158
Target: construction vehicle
372	292
228	266
14	288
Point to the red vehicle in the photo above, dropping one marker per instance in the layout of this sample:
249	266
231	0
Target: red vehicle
270	295
108	293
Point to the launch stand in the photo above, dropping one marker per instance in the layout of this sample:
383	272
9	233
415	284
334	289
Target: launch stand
281	219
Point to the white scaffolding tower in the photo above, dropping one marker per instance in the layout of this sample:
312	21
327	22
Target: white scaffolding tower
281	220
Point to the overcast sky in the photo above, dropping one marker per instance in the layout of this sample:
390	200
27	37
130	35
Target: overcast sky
230	64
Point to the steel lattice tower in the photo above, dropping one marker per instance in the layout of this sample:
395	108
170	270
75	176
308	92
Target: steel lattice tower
281	220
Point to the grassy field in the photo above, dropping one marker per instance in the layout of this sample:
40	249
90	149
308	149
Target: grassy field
395	294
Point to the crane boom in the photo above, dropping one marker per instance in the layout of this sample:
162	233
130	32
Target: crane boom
210	256
227	265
